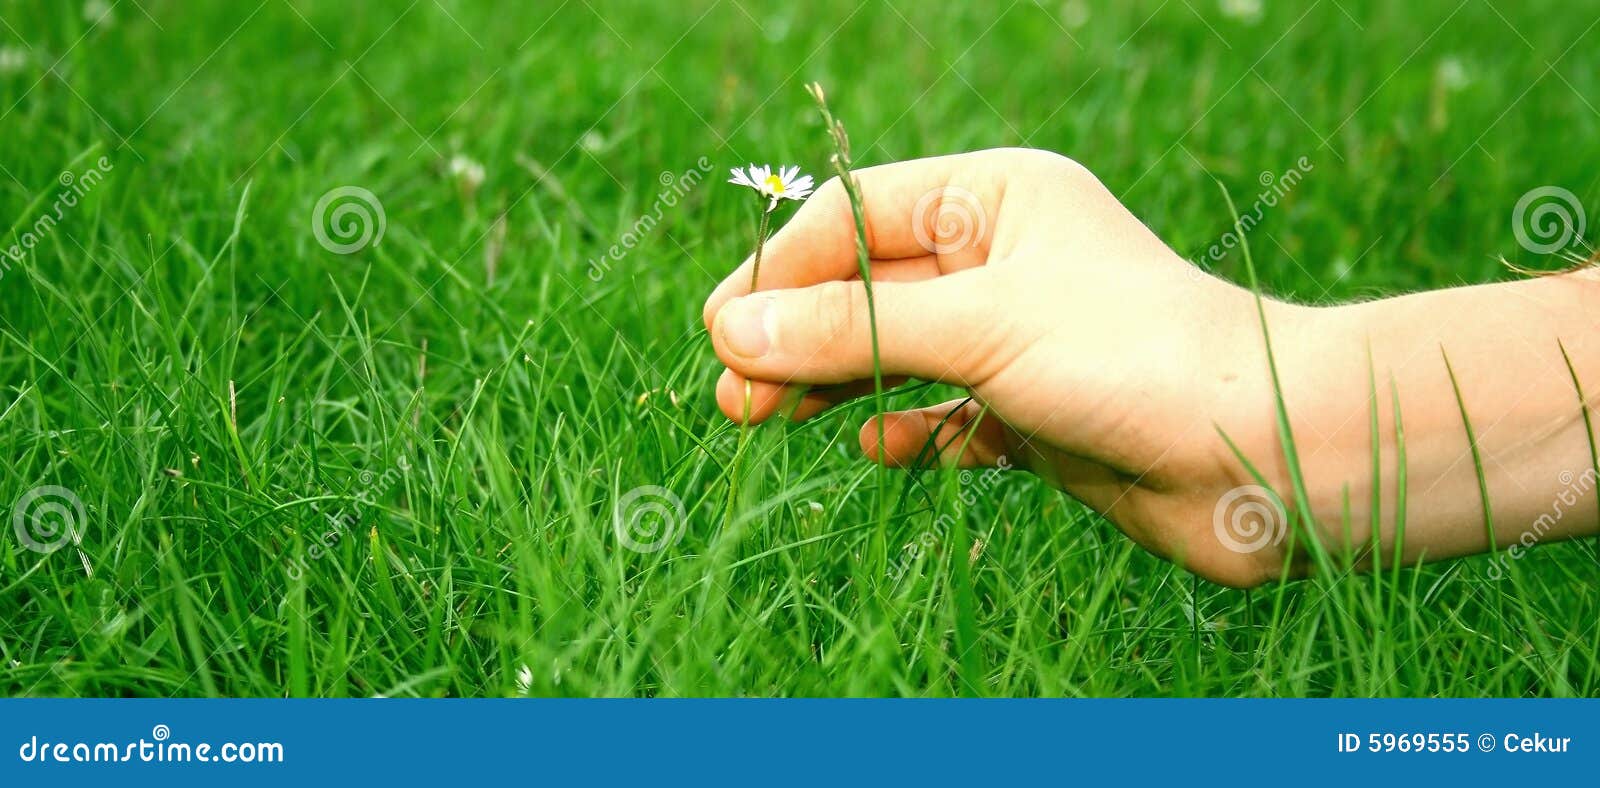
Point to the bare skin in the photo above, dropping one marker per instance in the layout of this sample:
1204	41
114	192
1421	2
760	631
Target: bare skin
1109	365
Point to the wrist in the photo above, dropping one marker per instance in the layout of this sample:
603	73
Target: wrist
1424	369
1246	535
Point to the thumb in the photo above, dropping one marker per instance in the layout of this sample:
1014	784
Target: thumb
823	333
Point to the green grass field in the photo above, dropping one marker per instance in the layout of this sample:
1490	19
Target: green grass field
396	470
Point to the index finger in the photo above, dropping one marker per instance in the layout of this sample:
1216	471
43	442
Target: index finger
942	206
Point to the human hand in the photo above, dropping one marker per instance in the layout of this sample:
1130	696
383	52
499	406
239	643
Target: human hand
1107	363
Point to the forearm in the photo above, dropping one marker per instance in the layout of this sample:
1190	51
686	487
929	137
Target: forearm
1501	341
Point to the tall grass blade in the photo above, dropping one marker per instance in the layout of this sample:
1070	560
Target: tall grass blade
1483	494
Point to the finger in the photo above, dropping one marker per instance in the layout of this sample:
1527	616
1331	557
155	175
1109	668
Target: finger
823	334
769	399
959	434
774	399
951	434
909	209
910	269
748	401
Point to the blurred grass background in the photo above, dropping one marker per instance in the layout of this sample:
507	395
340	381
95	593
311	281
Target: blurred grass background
461	405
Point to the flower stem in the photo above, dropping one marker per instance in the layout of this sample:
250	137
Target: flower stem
761	242
762	228
733	467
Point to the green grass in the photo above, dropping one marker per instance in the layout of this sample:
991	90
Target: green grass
464	405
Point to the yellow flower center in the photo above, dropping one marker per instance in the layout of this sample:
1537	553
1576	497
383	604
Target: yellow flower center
774	184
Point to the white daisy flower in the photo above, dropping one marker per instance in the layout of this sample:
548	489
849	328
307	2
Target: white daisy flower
467	172
98	12
785	184
12	60
1452	73
1075	13
1246	11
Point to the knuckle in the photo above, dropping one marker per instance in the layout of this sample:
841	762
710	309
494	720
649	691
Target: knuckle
1048	164
831	192
832	204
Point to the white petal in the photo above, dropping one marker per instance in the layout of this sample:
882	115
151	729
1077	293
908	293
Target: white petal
742	178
